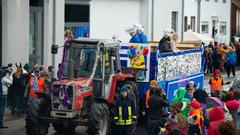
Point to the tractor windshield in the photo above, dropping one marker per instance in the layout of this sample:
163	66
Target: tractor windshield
79	61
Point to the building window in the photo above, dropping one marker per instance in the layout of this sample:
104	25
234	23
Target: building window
224	1
193	22
216	0
174	21
185	23
207	0
36	26
204	27
223	28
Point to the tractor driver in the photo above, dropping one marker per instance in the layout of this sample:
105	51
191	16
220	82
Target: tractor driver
124	113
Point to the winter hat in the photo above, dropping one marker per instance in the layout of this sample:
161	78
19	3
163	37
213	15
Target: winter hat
172	118
195	104
124	89
37	69
153	82
130	30
138	26
232	104
217	72
26	66
192	119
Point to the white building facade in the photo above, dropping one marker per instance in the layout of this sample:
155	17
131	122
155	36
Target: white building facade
29	29
215	18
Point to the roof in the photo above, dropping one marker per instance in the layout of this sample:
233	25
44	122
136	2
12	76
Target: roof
193	36
100	42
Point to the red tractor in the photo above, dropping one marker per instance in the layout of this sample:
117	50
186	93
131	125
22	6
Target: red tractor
90	81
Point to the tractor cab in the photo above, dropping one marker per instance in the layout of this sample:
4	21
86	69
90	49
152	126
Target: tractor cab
95	60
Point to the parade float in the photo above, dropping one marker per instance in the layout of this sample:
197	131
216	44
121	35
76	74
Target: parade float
170	70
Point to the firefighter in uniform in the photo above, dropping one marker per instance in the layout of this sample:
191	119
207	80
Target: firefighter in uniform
216	83
124	113
36	84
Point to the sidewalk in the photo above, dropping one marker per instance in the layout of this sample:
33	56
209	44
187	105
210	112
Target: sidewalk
9	117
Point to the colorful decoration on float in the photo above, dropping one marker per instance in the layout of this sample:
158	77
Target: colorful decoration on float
178	65
136	54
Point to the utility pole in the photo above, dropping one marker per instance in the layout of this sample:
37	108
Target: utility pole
198	15
182	29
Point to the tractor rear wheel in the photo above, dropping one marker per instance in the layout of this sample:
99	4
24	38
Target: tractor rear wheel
60	128
98	119
37	107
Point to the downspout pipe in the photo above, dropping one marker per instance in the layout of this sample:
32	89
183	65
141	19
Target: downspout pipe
198	15
152	21
54	56
182	28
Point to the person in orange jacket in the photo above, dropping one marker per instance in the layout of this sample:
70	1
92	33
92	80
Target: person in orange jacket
216	83
37	84
150	91
145	111
195	119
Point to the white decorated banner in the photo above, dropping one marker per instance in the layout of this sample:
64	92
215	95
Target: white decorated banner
178	65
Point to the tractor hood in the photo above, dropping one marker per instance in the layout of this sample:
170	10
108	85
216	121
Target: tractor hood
73	82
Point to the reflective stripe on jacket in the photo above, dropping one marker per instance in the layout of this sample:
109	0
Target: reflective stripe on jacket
36	86
125	111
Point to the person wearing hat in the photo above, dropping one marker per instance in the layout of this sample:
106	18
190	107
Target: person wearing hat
140	33
124	113
165	43
216	83
134	37
195	119
36	84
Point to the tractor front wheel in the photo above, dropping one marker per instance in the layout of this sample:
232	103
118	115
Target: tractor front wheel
37	107
98	119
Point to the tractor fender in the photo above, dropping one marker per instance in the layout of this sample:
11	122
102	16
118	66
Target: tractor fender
115	79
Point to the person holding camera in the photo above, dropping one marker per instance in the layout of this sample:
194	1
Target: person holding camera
6	82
